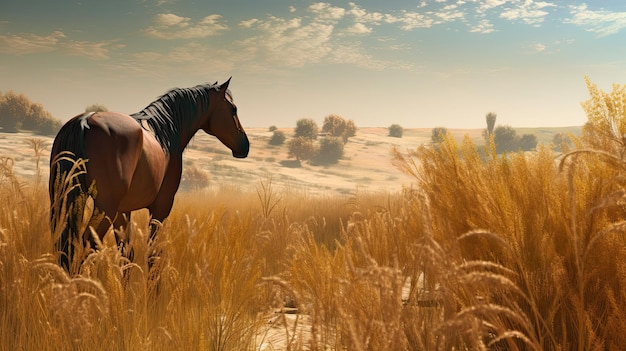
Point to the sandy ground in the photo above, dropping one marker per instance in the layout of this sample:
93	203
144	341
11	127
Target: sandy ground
366	166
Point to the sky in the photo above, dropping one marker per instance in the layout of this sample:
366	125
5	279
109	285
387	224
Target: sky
419	64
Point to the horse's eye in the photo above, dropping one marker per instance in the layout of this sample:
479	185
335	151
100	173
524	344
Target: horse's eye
234	111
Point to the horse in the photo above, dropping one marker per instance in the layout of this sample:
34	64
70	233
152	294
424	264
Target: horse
132	162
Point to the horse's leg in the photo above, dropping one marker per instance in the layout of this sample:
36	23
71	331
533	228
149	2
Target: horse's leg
162	206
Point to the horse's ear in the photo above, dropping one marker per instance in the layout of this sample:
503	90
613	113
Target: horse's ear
224	85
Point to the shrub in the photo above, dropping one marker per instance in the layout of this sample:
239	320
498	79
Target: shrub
337	126
528	142
438	134
306	128
96	108
506	139
273	128
278	138
396	131
194	178
331	149
302	148
561	141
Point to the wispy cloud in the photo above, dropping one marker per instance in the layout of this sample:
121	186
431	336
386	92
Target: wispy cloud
484	26
28	43
172	26
528	11
601	22
358	29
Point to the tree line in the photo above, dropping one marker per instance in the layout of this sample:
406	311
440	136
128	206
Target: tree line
18	113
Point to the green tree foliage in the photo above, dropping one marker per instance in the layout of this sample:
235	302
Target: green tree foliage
273	128
306	128
18	112
528	142
302	148
331	150
506	139
278	138
396	131
491	122
562	142
337	126
438	134
96	108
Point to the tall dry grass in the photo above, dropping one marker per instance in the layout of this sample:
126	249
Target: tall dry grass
483	252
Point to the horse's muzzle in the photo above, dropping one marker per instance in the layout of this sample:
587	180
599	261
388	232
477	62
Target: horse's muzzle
243	149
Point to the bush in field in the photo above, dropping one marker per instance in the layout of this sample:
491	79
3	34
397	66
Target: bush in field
528	142
306	128
395	130
302	148
337	126
96	108
194	178
278	138
331	150
561	142
438	134
18	112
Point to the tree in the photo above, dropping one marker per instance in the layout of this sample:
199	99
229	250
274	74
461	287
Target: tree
302	148
273	128
306	128
96	108
331	149
337	126
437	134
528	142
561	142
505	138
396	131
17	112
278	138
491	122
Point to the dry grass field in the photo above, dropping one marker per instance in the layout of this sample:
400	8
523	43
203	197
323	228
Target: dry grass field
417	247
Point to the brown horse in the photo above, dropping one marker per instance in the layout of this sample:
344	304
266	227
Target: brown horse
135	161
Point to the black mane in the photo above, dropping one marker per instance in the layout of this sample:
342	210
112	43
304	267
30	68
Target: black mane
172	113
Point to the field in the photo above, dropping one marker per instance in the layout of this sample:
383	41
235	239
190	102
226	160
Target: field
403	245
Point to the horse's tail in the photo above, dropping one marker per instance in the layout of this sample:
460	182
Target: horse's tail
67	185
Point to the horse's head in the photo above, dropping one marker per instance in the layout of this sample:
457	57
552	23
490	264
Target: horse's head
223	123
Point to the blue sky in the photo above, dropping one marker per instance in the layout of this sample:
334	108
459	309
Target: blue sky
420	64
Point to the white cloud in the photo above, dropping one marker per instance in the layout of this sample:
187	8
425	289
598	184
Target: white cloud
529	12
171	20
171	26
326	11
358	29
248	23
539	47
484	26
362	16
28	43
92	50
289	41
601	22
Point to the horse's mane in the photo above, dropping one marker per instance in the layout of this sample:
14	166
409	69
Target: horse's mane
167	116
